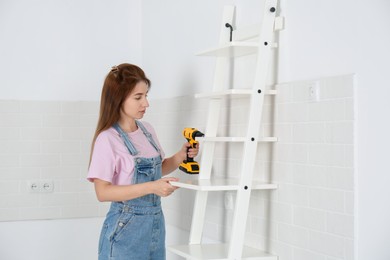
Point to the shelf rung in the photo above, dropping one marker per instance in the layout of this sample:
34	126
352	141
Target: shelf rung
235	139
234	93
232	49
221	184
217	252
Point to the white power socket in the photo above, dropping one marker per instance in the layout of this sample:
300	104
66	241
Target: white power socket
40	186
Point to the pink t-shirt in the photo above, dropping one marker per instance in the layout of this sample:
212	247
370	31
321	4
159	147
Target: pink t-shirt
111	160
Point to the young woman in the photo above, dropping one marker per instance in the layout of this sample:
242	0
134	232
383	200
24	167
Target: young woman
126	167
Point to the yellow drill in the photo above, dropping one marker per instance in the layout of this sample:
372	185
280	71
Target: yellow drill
189	165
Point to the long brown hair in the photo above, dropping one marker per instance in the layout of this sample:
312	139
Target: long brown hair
118	84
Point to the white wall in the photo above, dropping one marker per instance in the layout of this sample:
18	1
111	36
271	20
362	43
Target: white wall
172	37
55	51
50	239
332	37
62	50
66	48
373	80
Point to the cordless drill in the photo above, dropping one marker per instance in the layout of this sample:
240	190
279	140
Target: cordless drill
189	165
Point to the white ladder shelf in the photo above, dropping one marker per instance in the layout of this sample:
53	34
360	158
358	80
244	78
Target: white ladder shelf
243	185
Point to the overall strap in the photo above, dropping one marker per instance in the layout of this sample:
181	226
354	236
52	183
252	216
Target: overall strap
125	139
148	135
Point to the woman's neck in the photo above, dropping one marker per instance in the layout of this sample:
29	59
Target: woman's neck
128	126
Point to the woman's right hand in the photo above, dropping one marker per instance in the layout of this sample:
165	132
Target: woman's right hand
163	188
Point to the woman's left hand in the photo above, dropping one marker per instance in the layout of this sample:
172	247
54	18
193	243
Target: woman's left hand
172	163
192	152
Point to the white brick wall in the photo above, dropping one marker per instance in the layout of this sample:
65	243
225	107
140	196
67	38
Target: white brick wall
316	143
46	140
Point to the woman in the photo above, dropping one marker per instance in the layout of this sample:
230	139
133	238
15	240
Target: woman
126	167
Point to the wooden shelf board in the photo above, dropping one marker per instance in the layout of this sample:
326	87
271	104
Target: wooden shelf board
217	252
233	93
232	49
235	139
221	184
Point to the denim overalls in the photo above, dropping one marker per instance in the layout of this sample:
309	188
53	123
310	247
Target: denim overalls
135	229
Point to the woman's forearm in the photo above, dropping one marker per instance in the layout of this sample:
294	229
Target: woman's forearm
172	163
105	191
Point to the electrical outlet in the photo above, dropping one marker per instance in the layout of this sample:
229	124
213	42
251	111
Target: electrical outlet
47	186
40	186
314	91
33	186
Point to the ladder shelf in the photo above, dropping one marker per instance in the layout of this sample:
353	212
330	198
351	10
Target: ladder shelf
260	42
